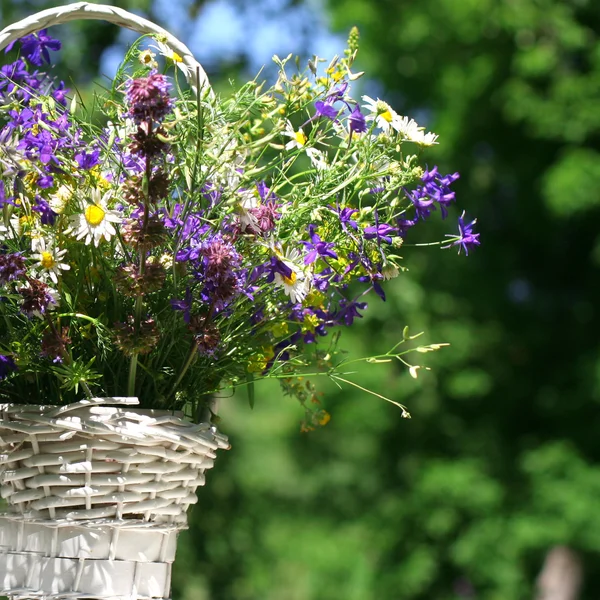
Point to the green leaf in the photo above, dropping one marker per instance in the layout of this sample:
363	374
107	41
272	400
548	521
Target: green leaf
250	388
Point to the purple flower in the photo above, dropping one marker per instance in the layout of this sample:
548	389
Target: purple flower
21	118
217	266
12	74
466	238
12	267
35	46
41	146
326	109
404	225
436	188
380	232
60	93
345	215
374	279
265	193
211	194
317	247
348	311
7	366
277	266
3	199
265	216
88	161
422	203
184	305
48	216
337	93
148	98
357	121
45	181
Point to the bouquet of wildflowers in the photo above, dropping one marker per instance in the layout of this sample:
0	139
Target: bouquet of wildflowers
169	244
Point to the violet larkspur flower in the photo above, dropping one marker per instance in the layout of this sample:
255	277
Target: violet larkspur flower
35	46
60	93
184	305
326	109
345	215
88	161
348	311
3	199
437	187
7	366
12	267
48	216
12	74
357	121
317	247
45	181
148	98
422	203
404	225
466	238
380	232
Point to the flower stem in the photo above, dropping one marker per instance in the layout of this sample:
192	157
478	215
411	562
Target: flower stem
188	363
139	299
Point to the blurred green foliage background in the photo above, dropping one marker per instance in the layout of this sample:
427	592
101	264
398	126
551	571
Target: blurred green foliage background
499	463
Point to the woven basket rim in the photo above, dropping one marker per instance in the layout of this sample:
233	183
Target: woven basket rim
196	76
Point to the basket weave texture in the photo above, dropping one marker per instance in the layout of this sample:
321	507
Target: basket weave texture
97	495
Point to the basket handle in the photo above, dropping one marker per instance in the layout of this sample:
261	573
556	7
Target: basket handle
113	14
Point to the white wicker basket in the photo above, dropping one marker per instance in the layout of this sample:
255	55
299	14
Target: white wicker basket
97	495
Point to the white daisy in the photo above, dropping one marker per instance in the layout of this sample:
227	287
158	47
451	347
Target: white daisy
425	139
384	115
96	221
177	60
410	131
49	261
298	140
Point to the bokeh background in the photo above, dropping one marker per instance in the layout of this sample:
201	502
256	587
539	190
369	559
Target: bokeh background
495	482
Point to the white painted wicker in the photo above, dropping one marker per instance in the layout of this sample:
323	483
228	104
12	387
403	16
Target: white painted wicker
87	10
97	495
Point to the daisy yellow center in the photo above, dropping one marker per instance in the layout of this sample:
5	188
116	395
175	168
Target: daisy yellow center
300	138
94	215
47	260
387	115
176	58
291	280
